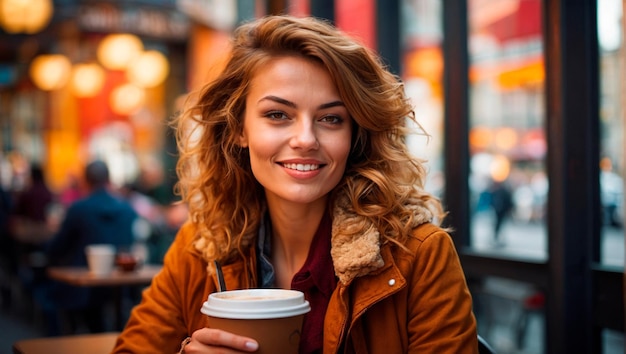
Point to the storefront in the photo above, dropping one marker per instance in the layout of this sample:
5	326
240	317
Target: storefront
102	80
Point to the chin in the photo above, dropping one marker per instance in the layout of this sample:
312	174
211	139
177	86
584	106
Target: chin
300	196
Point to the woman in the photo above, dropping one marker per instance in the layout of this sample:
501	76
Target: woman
295	169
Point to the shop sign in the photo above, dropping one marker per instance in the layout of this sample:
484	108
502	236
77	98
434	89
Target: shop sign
143	21
217	14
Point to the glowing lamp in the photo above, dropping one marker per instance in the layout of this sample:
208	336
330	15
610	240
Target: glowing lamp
506	138
25	16
50	71
116	51
500	168
126	99
87	79
149	69
480	138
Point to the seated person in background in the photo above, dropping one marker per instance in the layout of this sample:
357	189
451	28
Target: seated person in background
8	259
29	217
100	217
30	229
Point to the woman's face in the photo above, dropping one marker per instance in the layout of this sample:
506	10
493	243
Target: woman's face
297	130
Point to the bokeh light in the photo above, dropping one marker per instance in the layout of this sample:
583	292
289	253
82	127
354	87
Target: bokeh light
126	99
50	71
25	16
87	79
117	51
149	69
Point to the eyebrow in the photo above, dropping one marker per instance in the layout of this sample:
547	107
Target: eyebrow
293	105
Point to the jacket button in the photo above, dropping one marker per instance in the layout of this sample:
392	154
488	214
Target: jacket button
392	282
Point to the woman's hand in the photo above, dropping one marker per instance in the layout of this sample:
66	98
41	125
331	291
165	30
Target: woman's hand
211	340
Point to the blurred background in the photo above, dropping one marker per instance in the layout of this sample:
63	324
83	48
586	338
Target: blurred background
523	101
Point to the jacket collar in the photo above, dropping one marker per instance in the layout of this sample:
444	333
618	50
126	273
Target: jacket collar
356	242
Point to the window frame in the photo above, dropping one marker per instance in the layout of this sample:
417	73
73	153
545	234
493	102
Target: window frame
580	291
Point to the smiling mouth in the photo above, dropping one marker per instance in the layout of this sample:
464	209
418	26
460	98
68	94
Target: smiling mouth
301	167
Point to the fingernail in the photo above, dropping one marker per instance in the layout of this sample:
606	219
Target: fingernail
252	345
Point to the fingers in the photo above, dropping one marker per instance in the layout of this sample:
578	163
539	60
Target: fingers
210	340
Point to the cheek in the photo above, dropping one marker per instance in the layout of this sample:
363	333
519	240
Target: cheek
345	153
260	149
339	145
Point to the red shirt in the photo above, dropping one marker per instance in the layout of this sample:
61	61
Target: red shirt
317	281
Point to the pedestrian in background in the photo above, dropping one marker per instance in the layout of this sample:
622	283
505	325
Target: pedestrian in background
501	201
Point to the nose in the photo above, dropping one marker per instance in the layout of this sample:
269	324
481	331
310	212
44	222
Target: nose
304	135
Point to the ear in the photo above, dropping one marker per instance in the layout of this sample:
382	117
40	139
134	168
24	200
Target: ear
243	140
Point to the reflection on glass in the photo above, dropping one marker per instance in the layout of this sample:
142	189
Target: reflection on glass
423	73
612	341
510	315
610	29
508	182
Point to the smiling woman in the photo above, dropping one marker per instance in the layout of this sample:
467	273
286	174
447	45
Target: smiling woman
297	176
298	139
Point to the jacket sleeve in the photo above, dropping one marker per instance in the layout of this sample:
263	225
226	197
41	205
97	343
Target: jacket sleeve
441	319
159	323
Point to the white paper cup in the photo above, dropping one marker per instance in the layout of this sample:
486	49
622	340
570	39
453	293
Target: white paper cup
100	258
273	317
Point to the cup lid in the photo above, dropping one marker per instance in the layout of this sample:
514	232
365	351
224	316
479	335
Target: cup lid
256	304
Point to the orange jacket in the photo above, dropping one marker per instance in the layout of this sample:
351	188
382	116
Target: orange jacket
396	302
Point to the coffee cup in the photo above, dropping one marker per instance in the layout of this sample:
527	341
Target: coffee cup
272	317
100	258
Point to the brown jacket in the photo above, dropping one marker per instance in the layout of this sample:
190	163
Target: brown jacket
388	300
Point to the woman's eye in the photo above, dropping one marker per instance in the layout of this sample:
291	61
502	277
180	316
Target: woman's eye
332	119
276	115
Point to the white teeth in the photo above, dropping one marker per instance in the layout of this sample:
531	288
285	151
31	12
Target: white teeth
301	167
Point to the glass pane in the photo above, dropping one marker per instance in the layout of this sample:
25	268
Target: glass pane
612	342
422	74
508	182
510	315
610	29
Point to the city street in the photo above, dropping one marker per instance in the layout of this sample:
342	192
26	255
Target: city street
529	239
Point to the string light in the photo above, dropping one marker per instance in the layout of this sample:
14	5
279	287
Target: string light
50	71
25	16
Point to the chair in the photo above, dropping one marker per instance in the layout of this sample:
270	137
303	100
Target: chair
484	347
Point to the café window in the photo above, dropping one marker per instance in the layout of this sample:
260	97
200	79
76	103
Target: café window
611	66
422	63
508	182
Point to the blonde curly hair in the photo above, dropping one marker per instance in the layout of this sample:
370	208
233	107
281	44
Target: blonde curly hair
225	201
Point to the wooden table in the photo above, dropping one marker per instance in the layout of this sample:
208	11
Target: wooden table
101	343
80	276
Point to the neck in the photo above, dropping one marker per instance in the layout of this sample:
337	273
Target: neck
293	230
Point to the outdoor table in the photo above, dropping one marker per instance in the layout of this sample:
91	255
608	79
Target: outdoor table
80	276
100	343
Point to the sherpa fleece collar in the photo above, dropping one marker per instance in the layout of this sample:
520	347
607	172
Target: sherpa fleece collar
356	253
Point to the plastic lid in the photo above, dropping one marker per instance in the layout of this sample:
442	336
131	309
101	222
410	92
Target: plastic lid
256	304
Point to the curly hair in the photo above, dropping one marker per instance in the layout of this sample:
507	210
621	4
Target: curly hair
215	178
